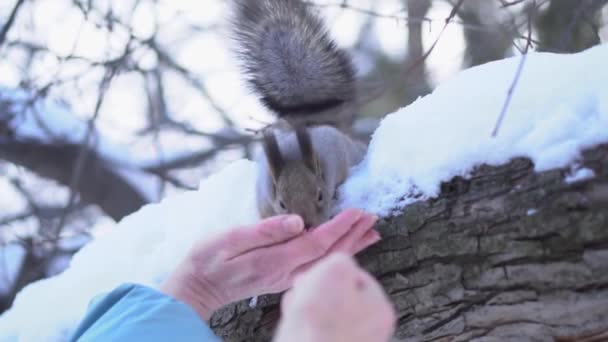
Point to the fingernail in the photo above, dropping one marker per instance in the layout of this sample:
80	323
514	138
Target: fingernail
293	224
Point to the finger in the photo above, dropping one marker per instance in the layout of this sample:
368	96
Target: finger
345	268
265	233
286	300
372	292
315	244
370	238
365	282
353	238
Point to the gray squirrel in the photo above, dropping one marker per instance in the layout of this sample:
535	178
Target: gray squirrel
301	75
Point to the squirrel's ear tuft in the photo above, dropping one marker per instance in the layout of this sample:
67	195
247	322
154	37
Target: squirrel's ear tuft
306	148
273	154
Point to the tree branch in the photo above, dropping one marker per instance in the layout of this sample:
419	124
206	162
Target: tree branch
99	184
11	20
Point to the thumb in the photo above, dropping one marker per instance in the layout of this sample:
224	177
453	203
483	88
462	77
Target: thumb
265	233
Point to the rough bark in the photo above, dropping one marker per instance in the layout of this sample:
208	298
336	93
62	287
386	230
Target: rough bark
508	254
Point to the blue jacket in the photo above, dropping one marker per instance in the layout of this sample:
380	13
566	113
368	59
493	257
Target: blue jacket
138	313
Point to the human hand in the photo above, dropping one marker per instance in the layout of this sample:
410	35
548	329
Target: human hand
336	302
264	258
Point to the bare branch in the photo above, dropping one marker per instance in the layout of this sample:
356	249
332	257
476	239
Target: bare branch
14	218
11	20
194	81
415	64
505	4
195	159
518	73
84	150
99	184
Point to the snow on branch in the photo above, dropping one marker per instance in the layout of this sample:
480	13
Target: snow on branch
561	108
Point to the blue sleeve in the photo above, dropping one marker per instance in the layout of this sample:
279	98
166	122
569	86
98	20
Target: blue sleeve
138	313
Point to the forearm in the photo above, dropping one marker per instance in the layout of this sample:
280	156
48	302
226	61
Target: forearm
138	313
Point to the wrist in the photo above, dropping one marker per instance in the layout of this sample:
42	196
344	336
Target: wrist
184	286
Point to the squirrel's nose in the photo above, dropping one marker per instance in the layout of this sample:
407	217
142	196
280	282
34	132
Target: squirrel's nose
308	224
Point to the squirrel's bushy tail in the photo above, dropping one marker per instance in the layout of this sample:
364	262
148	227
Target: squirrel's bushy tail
292	63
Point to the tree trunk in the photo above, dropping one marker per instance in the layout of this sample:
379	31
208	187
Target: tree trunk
508	254
416	80
569	26
486	35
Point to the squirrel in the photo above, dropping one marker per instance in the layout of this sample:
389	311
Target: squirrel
300	75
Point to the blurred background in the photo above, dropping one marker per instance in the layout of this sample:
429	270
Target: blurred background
106	105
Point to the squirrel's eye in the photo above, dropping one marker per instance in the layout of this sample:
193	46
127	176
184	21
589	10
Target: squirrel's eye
320	196
282	205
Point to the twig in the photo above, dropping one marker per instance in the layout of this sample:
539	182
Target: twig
518	73
14	218
171	63
11	19
84	150
505	4
448	20
416	63
196	158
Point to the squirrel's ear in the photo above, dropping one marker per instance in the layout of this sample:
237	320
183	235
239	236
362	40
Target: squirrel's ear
273	154
308	153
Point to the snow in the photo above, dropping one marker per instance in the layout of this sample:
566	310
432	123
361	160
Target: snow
142	248
579	175
559	108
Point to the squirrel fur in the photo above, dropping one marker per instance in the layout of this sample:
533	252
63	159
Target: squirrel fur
301	75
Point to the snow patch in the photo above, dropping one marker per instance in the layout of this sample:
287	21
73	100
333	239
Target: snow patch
579	175
531	212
